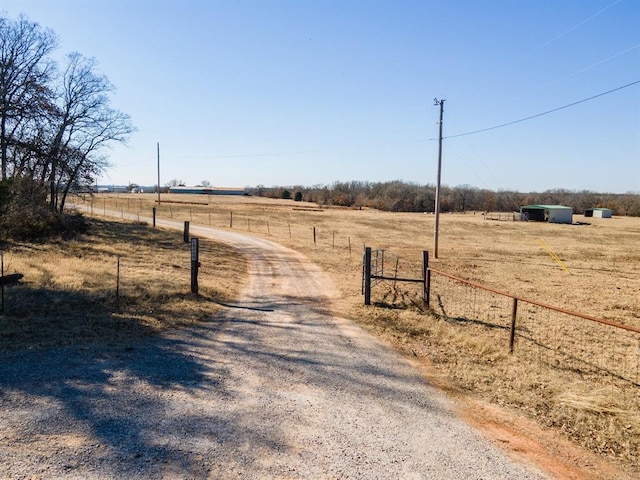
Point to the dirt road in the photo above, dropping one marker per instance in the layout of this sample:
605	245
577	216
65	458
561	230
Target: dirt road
279	388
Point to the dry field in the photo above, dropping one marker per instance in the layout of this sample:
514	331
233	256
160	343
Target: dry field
598	274
603	258
71	292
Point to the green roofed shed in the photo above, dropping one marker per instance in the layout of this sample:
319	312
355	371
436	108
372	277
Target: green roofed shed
547	213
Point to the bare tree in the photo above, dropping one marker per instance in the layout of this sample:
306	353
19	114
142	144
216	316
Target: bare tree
25	72
175	183
82	125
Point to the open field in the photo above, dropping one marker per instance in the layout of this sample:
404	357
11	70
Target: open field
599	276
603	258
70	292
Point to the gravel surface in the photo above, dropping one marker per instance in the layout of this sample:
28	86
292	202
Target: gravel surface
277	389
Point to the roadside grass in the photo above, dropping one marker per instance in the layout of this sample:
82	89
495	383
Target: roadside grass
70	291
465	357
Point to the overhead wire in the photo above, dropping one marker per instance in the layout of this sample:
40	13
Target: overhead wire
530	117
544	45
577	72
297	152
579	24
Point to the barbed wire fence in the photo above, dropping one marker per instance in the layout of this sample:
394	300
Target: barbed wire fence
555	337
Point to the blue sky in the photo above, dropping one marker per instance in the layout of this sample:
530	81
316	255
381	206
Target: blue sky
246	93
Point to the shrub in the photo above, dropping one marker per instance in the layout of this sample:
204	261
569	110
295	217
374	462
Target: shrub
25	214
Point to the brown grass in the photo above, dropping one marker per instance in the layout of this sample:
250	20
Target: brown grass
68	292
603	281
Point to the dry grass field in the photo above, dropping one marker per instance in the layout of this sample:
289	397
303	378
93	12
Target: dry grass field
603	258
71	292
598	274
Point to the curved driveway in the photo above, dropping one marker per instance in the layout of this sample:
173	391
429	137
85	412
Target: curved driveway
280	388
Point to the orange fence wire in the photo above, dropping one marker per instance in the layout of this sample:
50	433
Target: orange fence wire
561	338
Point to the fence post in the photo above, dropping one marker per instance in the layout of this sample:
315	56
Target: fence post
314	235
426	277
230	219
185	233
154	217
512	332
367	275
395	274
118	278
194	265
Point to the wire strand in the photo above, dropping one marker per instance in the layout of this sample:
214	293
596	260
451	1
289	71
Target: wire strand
544	113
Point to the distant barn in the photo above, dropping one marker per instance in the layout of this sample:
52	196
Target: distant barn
598	212
198	190
547	213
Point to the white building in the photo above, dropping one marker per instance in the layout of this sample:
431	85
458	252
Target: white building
598	212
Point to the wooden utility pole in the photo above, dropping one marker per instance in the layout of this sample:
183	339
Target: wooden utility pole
158	173
437	206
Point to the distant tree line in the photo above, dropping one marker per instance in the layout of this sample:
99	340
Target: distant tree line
55	124
400	196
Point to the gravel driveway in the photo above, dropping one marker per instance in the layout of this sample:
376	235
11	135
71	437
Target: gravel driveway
279	388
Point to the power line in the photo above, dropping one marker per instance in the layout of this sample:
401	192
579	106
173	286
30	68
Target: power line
579	24
470	167
271	154
582	70
543	113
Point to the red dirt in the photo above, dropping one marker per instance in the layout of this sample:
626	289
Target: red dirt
527	441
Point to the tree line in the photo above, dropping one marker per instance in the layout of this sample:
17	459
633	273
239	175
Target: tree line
55	123
400	196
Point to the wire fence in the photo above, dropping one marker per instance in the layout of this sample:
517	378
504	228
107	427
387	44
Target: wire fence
560	338
208	213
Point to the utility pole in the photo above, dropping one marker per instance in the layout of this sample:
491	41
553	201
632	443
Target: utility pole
159	174
437	207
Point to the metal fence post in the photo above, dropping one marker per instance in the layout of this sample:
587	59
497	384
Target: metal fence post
195	255
426	277
512	332
367	276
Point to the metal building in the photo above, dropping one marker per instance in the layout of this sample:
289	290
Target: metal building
547	213
598	212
